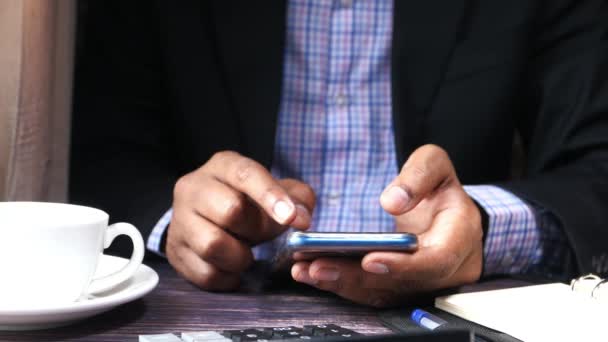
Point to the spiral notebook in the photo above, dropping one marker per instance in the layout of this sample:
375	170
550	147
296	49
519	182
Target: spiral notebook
539	313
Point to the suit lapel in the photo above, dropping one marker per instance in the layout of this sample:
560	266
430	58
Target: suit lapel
424	35
202	109
250	41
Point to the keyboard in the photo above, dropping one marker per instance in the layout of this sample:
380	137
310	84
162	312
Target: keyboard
318	332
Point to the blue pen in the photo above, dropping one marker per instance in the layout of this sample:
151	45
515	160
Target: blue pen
431	322
427	320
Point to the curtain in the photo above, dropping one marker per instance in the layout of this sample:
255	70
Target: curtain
36	61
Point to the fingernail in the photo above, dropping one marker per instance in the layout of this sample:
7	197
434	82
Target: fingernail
396	197
301	274
282	211
304	277
327	274
376	267
303	212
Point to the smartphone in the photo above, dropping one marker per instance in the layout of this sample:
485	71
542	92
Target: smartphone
308	246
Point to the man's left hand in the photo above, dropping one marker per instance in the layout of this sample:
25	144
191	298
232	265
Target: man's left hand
428	200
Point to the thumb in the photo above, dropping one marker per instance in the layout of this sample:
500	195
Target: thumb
304	199
427	169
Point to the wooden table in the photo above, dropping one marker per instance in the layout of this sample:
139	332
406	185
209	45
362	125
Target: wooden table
176	306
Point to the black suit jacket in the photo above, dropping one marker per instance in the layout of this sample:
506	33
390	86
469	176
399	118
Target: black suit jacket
162	86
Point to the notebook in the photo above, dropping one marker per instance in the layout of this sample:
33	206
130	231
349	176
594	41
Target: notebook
539	313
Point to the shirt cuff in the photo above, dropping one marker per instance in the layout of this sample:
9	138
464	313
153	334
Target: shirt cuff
513	242
154	243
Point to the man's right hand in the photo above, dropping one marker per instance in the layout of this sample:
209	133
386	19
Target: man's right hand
224	208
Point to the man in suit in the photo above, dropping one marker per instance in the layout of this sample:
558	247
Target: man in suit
350	115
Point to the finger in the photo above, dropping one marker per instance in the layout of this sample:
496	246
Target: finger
427	169
305	199
346	278
303	218
299	272
201	273
425	268
249	177
230	210
300	191
441	252
214	245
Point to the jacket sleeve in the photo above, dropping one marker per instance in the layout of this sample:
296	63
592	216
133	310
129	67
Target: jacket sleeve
566	130
121	141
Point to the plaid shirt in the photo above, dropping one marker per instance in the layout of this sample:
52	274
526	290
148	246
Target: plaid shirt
335	133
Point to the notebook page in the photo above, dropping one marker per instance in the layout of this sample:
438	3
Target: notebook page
550	312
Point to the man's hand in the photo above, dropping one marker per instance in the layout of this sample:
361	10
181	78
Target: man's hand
426	199
222	209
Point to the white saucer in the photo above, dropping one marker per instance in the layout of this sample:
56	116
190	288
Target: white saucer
144	281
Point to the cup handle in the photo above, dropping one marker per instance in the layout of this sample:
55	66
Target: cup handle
107	282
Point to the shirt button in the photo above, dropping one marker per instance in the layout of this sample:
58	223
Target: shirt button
341	99
507	261
334	198
346	3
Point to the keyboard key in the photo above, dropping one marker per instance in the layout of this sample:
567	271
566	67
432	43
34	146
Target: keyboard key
230	333
308	329
319	333
249	335
204	336
289	333
159	338
290	328
257	334
336	332
286	332
265	333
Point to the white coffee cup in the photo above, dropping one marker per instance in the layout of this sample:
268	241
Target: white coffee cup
49	253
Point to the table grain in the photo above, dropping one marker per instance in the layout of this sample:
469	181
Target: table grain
176	305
